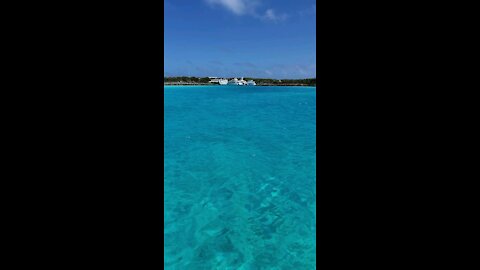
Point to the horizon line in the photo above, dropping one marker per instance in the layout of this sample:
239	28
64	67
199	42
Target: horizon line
240	77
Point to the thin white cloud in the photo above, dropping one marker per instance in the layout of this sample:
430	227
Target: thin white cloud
271	15
238	7
248	7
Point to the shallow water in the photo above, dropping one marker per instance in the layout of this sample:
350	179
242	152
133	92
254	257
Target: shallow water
239	177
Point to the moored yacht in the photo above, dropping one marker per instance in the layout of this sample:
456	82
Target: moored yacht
242	81
223	81
234	81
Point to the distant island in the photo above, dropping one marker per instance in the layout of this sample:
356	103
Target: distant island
259	81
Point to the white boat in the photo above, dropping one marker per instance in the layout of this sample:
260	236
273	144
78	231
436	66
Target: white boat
223	81
242	81
218	80
235	81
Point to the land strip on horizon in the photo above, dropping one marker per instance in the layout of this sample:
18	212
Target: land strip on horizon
259	81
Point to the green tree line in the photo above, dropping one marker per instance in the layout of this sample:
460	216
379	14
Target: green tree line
186	79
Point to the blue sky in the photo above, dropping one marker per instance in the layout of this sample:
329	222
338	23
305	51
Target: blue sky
240	38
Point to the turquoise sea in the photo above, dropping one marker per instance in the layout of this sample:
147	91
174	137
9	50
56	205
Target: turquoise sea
240	177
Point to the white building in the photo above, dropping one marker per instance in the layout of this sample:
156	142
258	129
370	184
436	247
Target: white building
213	79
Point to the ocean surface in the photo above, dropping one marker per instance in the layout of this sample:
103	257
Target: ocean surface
240	177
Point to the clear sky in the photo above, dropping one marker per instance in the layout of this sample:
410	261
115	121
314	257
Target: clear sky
240	38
